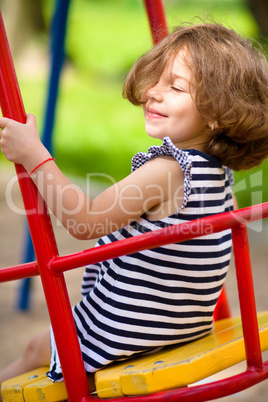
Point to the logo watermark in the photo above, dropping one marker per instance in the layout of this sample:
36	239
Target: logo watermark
127	200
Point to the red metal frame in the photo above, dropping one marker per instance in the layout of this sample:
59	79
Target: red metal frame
50	266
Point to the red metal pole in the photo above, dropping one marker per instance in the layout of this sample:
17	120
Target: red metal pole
43	241
157	19
247	297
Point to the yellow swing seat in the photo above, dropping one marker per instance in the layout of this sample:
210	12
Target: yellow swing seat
173	367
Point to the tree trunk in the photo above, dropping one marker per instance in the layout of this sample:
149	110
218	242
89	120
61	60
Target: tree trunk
259	9
24	20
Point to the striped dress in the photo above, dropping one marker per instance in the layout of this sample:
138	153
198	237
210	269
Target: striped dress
161	296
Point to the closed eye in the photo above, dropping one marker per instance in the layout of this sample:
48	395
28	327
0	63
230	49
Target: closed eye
177	89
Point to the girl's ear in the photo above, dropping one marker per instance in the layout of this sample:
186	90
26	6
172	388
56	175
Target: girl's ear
213	124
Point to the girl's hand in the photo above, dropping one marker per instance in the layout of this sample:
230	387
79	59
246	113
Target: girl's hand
20	143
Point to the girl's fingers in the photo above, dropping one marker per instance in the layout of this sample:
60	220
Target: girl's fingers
3	122
31	118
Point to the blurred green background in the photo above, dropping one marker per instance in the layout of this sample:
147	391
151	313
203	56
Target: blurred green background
96	131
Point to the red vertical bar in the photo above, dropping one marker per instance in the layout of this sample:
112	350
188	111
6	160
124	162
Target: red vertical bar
246	296
44	241
157	19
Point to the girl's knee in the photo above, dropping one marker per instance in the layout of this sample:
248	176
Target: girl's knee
37	351
31	350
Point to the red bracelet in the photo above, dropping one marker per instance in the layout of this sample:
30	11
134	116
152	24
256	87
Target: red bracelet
46	160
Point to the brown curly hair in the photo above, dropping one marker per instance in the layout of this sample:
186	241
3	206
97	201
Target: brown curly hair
230	87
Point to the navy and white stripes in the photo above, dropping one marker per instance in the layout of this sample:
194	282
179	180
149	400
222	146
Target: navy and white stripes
161	296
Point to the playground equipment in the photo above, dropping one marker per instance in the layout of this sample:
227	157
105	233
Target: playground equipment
163	376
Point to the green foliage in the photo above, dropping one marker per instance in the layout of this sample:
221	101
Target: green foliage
96	130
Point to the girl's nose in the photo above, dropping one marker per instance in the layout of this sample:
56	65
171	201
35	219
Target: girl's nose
155	92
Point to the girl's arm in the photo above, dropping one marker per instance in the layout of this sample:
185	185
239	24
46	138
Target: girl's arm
154	187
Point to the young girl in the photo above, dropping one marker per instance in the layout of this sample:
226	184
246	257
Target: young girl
204	93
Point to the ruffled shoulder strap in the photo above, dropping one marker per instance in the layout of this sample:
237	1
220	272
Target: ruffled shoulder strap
168	149
230	175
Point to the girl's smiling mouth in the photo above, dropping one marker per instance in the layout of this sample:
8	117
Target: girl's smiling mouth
154	114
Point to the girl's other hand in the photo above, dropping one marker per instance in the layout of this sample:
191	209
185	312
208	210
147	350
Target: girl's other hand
20	143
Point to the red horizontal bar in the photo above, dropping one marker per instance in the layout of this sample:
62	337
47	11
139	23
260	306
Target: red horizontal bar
171	234
19	272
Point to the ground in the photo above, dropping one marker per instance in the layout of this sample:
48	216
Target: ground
17	327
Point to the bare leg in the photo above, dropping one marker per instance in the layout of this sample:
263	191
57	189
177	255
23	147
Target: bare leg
35	355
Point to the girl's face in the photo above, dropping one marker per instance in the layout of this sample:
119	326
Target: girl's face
169	108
